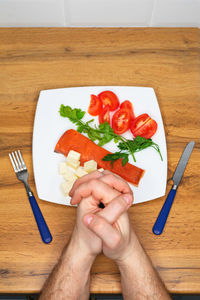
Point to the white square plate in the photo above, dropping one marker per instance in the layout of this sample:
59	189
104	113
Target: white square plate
49	126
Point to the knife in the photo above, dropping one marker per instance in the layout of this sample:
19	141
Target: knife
162	217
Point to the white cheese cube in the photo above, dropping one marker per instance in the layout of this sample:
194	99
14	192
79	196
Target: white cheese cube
90	166
73	163
70	176
101	170
63	168
80	172
66	187
73	155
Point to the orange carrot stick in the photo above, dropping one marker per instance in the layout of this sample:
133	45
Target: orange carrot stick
73	140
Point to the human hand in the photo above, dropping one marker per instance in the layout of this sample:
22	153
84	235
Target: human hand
108	228
109	225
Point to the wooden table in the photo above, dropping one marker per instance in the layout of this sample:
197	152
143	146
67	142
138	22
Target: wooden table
36	59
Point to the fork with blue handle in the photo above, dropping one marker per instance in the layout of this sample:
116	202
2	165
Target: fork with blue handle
22	174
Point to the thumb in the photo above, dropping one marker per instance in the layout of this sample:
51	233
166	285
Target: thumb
116	208
109	235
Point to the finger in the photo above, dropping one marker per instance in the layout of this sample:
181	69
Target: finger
96	188
109	172
116	182
116	208
92	175
113	180
85	178
109	235
105	172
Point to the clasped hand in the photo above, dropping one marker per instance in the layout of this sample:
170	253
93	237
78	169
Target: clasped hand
106	229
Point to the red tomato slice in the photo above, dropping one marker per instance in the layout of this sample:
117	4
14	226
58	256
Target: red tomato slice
104	115
95	106
127	104
143	126
109	98
121	120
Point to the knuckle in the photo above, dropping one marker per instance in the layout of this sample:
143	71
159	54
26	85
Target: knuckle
126	188
93	182
108	177
117	176
130	195
107	172
128	199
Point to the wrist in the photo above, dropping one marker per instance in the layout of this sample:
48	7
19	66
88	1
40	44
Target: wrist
131	254
136	261
79	256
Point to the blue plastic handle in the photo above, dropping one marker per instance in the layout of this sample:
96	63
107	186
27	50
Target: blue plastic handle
42	226
162	217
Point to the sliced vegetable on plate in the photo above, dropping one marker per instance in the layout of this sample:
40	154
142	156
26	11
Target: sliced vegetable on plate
84	156
109	98
127	104
121	120
95	106
143	126
104	115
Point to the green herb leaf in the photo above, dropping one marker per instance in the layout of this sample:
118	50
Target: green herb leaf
73	115
117	155
104	134
125	159
105	127
138	144
106	139
91	136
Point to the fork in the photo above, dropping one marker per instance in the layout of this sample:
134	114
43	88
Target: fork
22	174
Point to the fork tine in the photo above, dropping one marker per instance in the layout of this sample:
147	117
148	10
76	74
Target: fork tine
15	161
23	163
13	164
18	160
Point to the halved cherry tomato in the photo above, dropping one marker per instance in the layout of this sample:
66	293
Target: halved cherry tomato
121	120
95	106
109	98
143	126
104	115
129	105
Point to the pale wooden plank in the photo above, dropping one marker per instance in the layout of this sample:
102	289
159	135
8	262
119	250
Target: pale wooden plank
36	59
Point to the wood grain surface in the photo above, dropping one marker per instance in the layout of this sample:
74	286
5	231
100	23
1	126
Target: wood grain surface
35	59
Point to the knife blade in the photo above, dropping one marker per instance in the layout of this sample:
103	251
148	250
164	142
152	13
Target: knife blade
178	174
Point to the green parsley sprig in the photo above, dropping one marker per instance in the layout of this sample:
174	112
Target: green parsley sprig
130	147
103	133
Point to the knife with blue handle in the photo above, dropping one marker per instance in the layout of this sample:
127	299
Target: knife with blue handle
162	217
